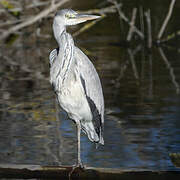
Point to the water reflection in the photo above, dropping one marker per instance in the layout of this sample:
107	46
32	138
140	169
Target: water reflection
142	120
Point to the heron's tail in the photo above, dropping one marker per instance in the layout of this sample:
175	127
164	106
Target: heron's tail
89	130
101	140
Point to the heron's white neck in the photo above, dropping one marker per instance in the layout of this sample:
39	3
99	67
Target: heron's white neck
58	29
66	51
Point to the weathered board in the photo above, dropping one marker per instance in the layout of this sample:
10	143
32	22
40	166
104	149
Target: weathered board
62	172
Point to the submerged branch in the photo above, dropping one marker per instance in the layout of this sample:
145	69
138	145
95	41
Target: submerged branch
148	19
171	70
134	67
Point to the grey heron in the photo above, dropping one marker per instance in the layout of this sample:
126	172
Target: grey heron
75	81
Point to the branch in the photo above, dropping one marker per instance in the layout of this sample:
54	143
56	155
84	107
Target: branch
34	19
131	29
122	15
166	19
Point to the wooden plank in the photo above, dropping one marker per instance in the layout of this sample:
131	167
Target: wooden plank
63	172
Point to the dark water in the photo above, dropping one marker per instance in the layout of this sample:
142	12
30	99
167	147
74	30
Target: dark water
141	91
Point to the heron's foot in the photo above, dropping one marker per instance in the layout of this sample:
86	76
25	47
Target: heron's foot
80	165
76	167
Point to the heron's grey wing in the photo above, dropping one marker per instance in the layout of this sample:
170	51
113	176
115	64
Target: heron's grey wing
92	86
52	56
60	61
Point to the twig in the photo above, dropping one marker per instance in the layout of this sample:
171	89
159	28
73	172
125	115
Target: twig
135	28
131	29
38	4
122	15
10	22
141	19
109	9
32	20
116	5
12	10
170	69
166	19
148	19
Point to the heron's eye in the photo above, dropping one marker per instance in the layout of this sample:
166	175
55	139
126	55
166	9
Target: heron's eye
70	16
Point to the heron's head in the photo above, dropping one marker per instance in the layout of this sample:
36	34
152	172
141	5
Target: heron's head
69	17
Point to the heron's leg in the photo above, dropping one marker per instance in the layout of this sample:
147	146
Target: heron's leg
79	142
79	163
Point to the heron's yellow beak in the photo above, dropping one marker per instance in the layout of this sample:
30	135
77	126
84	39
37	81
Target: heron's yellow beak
81	17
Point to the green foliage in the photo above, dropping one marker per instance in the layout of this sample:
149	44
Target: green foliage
175	158
7	5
